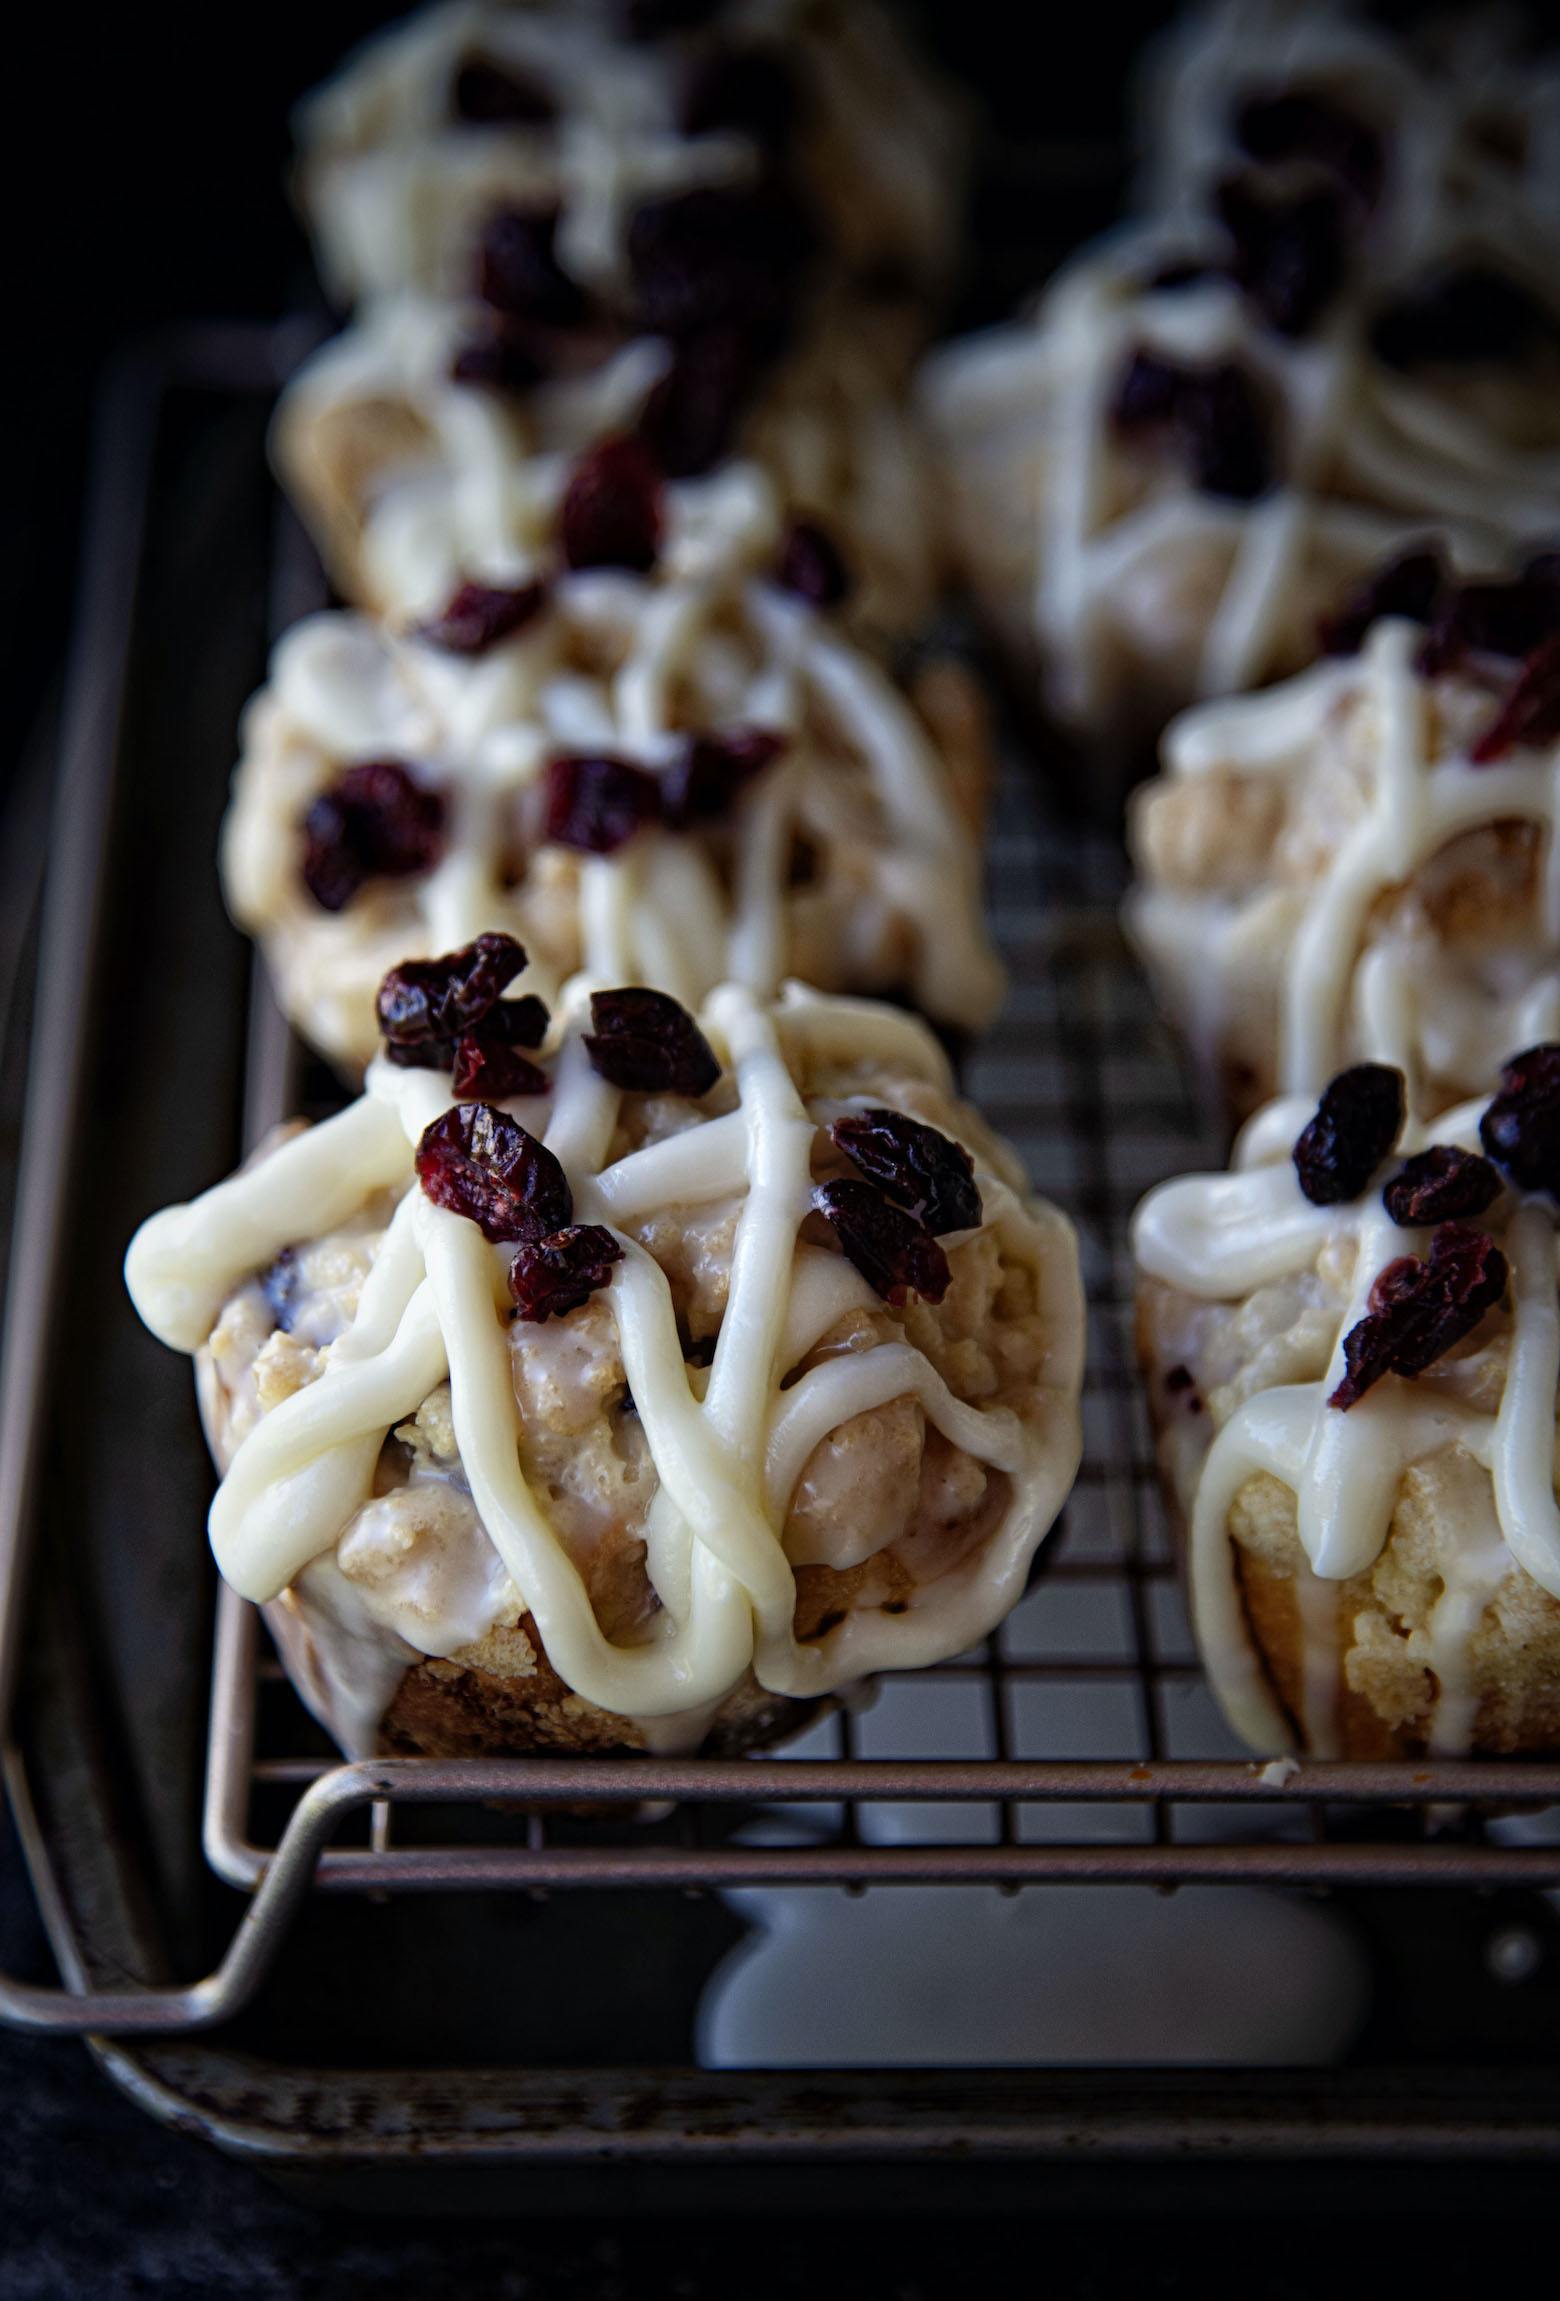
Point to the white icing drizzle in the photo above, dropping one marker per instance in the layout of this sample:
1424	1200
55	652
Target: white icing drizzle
1350	988
394	188
699	655
727	1451
1220	1238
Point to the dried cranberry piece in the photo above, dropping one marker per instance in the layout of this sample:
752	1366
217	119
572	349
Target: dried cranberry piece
1299	124
419	1054
919	1168
1149	392
1508	619
811	565
501	358
1467	1277
557	1274
1466	314
892	1251
745	91
1521	1125
1440	1183
702	785
480	615
507	1023
1417	1310
597	805
375	821
611	513
1357	1122
518	273
1368	1345
513	1023
653	19
1530	715
647	1044
1210	417
493	95
444	998
479	1162
482	1071
1289	254
1408	585
690	419
719	257
1180	272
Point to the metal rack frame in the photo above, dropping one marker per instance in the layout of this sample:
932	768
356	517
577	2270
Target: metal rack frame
1082	1077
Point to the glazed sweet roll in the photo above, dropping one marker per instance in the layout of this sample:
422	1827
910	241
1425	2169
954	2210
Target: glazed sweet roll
1362	861
1338	325
630	1383
591	121
1352	1344
420	460
659	780
1158	494
1443	138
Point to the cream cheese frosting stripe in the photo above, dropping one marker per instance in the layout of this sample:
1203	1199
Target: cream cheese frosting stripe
727	1450
1417	800
1219	1238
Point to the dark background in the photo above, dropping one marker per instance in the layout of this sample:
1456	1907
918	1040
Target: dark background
142	170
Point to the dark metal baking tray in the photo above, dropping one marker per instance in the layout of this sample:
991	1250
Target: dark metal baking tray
381	2042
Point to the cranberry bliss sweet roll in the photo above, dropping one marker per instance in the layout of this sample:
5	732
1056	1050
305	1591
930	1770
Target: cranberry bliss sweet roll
667	780
692	1372
1340	326
597	118
1362	862
423	455
1352	1344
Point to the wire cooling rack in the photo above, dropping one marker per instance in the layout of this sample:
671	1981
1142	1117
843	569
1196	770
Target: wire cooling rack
1078	1744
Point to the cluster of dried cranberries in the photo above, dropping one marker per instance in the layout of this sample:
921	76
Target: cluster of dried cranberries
920	1184
1516	621
598	804
478	1162
450	1014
